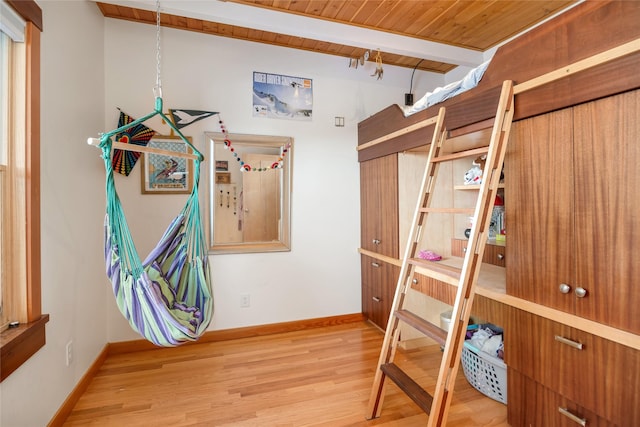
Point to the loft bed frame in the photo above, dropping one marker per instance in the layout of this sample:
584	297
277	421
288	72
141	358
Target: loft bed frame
585	31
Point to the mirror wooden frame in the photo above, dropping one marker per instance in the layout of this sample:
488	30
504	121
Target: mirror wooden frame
240	143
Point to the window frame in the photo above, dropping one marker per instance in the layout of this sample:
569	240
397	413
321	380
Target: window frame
18	344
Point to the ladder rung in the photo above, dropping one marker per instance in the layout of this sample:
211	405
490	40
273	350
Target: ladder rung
460	154
469	211
441	272
420	324
409	386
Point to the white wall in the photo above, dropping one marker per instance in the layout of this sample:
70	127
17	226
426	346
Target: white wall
321	275
90	65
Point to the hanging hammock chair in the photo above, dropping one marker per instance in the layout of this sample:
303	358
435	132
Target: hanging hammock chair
167	297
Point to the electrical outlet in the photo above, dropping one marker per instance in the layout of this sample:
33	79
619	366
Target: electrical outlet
245	300
69	352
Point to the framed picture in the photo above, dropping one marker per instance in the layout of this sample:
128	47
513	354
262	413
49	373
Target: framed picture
162	174
222	165
223	178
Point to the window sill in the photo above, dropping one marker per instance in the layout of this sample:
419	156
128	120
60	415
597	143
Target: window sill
18	344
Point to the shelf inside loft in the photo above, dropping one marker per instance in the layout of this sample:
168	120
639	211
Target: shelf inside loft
491	279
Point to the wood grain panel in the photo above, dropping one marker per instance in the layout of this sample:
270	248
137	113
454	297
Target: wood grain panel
491	311
531	404
371	279
539	213
572	36
266	37
484	309
379	205
587	376
551	46
607	210
379	280
493	254
463	110
472	24
568	38
435	289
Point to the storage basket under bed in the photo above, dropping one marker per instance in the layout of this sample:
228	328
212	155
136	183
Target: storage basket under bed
484	372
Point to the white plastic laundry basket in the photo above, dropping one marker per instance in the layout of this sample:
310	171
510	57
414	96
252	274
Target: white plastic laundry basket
485	373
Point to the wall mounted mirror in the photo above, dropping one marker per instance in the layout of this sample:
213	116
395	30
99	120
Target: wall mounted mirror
249	193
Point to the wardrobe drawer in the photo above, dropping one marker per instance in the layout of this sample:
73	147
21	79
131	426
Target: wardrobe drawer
379	279
595	373
493	253
434	288
532	404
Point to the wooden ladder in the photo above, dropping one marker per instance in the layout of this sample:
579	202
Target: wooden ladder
465	278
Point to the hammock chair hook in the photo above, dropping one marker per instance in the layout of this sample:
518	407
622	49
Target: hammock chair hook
159	102
157	92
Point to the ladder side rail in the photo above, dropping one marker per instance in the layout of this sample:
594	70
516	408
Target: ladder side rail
423	201
408	129
488	187
427	184
391	337
575	67
473	258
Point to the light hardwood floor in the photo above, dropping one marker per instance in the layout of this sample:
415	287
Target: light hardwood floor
316	377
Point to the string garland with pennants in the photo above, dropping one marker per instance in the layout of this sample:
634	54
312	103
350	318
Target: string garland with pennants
246	167
124	161
182	117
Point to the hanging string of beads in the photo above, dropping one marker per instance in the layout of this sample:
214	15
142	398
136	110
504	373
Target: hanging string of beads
246	167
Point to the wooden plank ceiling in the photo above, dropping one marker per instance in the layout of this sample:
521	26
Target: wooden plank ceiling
475	25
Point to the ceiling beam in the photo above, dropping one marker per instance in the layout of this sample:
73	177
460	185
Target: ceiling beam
311	28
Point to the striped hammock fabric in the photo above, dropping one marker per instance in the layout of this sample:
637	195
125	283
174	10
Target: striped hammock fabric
167	297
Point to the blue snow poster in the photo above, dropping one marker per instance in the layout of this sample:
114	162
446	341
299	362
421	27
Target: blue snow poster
282	97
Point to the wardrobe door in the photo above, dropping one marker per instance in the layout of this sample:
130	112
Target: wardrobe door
539	212
607	210
379	205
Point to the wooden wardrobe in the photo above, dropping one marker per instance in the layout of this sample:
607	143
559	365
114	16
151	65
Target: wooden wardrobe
567	300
